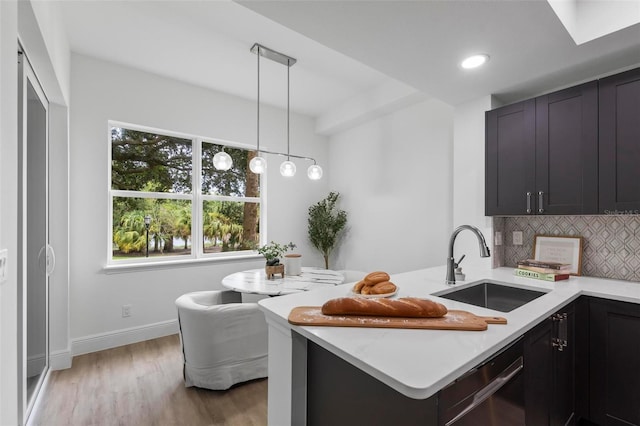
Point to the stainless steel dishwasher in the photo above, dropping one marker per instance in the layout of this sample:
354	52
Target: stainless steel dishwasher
491	394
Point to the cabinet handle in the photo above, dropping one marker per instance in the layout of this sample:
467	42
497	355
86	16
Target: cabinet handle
560	341
529	202
540	202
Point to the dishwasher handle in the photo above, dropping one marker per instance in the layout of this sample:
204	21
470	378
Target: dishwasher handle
486	392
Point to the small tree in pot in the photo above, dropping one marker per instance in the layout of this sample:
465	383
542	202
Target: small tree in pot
326	222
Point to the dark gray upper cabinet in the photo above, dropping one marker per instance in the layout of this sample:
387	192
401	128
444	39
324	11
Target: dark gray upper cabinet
567	151
619	139
542	155
510	154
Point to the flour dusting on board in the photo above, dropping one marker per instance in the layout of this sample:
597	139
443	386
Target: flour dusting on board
455	318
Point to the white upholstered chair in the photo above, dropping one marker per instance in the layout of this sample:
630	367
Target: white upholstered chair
224	342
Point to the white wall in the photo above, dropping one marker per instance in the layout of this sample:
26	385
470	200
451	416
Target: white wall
468	179
8	213
102	91
394	175
44	38
56	44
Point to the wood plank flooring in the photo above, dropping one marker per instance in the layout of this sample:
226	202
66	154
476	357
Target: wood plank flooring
142	384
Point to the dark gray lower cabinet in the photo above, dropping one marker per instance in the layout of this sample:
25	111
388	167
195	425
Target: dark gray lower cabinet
581	366
549	358
339	394
614	363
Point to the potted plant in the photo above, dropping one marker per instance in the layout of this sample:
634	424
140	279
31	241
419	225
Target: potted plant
273	251
326	223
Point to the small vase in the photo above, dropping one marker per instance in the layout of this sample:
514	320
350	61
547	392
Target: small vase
293	264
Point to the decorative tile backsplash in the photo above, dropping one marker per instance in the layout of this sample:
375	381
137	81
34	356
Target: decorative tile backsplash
611	244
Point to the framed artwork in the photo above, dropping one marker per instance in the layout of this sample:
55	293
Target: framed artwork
559	249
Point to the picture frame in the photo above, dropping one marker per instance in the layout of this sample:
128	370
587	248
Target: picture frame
563	249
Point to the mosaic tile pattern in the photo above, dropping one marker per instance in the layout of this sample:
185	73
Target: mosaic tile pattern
611	244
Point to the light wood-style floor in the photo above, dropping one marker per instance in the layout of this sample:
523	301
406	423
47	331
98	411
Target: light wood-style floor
142	384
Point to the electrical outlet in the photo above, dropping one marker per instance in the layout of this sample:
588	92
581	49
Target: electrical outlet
517	238
4	255
126	311
498	238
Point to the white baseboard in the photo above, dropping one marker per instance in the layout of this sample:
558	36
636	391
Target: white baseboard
60	360
102	341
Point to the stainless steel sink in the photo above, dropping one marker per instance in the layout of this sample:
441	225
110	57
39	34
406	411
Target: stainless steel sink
492	295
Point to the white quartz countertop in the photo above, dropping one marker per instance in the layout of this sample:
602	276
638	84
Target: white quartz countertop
418	363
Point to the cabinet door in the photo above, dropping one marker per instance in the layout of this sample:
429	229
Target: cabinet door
567	151
550	370
510	150
619	140
538	374
614	363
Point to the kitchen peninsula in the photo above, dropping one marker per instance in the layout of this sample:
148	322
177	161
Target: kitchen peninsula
415	364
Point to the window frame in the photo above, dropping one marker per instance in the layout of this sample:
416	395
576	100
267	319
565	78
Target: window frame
196	197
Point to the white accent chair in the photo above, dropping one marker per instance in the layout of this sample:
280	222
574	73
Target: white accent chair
224	341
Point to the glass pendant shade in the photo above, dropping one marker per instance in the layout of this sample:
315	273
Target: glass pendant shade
222	161
314	172
258	165
287	168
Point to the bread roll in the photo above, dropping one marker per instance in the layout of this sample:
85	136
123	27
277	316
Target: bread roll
358	286
376	277
383	288
412	307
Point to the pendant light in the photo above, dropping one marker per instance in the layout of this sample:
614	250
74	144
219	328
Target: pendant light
287	168
258	165
314	172
222	161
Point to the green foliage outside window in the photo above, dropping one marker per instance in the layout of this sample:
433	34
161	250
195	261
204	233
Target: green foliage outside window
154	163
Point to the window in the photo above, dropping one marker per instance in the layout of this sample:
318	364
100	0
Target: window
153	175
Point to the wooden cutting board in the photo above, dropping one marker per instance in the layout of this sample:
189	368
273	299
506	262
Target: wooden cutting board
454	320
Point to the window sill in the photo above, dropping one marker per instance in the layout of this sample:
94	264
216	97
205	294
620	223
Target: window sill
115	268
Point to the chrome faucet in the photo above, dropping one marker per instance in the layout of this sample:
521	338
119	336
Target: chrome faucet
451	264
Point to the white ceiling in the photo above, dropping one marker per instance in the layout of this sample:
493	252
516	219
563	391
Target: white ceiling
347	48
207	43
421	43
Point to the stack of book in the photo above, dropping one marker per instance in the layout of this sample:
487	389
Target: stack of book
543	270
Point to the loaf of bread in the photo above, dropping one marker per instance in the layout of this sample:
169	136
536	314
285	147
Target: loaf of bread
412	307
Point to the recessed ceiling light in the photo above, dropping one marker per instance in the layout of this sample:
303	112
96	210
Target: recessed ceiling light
474	61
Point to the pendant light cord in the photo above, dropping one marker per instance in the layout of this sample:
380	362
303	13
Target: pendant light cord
258	109
288	114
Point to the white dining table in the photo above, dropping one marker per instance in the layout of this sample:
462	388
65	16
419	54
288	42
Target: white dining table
255	281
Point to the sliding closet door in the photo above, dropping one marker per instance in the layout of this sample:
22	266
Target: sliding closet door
36	255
